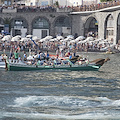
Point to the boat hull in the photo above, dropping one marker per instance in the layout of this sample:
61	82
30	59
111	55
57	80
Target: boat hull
2	65
66	67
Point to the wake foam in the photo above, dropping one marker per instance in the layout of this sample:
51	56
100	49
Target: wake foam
65	107
68	101
40	116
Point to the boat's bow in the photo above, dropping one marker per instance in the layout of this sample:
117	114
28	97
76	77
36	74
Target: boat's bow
100	61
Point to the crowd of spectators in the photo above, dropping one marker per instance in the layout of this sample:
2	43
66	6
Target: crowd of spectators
23	8
92	7
36	9
89	7
73	45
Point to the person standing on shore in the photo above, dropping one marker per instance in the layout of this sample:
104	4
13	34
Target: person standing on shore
11	54
47	56
57	52
16	55
25	56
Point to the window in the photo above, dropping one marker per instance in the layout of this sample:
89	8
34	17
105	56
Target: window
41	23
63	22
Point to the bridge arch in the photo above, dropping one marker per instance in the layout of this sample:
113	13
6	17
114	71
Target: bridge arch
19	26
109	28
118	29
91	27
40	27
62	25
1	25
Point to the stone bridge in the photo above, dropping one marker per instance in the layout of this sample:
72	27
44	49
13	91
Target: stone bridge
104	23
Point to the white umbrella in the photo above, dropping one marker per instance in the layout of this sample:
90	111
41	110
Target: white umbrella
52	40
80	38
77	40
42	40
80	42
18	36
60	37
14	39
24	39
89	38
105	40
35	38
29	58
6	38
101	42
28	36
84	41
72	41
49	37
67	39
70	36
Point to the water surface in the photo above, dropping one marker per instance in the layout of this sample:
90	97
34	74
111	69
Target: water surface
59	95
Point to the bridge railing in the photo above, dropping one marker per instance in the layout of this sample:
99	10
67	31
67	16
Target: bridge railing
36	9
92	7
9	10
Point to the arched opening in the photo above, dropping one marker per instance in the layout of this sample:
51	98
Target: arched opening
91	27
109	28
62	26
19	27
118	30
40	27
7	2
2	26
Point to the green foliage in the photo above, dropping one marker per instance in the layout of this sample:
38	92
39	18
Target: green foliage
7	20
57	3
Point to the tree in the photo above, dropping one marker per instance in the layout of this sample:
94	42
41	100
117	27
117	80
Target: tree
57	3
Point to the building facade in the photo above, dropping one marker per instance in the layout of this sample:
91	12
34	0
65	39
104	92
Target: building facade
49	2
6	2
89	2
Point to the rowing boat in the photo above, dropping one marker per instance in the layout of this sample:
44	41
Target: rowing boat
91	66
